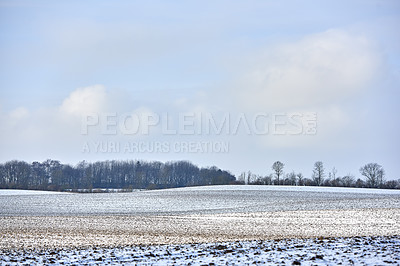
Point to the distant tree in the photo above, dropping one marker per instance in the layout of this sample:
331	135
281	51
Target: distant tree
268	179
308	182
348	180
249	178
332	176
328	182
52	175
374	174
318	173
392	184
360	183
300	179
242	177
291	179
278	168
258	180
333	172
337	182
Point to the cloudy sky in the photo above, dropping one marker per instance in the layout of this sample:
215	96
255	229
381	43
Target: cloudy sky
236	84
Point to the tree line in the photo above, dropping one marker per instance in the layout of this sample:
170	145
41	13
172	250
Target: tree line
133	174
136	174
373	177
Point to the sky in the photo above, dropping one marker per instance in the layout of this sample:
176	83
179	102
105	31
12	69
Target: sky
235	84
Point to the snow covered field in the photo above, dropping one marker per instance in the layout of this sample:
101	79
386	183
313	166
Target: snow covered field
248	220
316	251
195	200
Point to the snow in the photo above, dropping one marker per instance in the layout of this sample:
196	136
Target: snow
7	192
292	189
20	192
124	230
195	200
202	225
314	251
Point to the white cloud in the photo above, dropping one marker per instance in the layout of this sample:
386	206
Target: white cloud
17	115
334	126
324	73
57	131
85	101
318	69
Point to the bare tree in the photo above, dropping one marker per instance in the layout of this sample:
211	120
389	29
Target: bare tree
278	168
374	174
242	177
392	184
292	179
248	181
348	180
333	173
268	179
300	179
318	173
333	181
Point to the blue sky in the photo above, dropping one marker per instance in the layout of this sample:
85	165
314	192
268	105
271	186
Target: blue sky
60	61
